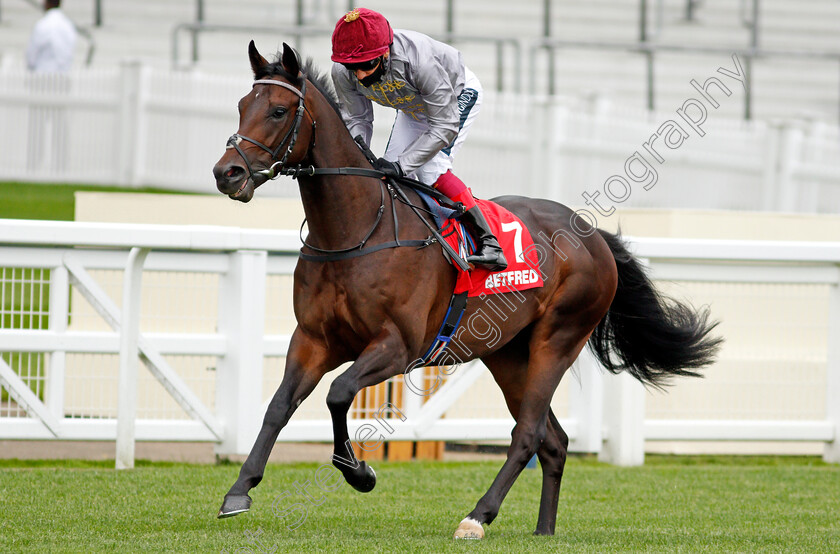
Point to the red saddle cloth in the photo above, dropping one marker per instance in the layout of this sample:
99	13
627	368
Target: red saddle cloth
522	272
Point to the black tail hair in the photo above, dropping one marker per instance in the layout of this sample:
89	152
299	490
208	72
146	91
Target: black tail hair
649	335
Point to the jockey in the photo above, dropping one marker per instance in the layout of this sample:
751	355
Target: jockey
436	98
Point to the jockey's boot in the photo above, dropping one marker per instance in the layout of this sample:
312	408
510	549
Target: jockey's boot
488	253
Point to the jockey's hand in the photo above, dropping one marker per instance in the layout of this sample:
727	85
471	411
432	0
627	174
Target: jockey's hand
390	169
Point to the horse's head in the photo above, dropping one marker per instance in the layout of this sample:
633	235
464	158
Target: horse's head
272	133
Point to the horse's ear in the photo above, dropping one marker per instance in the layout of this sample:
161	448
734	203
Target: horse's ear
257	61
291	60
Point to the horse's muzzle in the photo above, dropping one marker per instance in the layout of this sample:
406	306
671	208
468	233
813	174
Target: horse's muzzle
234	181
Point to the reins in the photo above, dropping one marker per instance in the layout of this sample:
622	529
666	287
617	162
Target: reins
359	246
311	171
359	249
396	194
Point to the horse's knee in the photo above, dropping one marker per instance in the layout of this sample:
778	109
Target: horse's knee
340	397
276	416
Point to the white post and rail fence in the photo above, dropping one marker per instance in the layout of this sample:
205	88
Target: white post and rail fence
206	309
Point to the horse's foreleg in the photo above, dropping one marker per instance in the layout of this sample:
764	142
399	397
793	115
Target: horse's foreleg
382	359
306	363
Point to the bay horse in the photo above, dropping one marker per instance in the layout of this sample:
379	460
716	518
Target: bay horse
382	310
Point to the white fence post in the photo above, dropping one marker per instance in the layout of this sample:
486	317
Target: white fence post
540	126
239	373
791	137
831	452
624	421
59	307
769	174
132	85
557	121
129	353
586	403
624	417
412	401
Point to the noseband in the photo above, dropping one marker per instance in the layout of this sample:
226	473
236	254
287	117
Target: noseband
291	135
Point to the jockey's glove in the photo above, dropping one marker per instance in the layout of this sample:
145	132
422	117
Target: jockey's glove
390	169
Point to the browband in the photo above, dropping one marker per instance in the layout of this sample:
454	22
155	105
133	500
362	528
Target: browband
279	83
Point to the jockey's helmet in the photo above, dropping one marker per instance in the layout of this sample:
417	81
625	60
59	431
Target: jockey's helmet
361	35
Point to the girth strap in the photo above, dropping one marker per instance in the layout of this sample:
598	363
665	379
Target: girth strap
457	306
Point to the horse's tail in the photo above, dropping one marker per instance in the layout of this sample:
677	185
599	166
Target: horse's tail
651	336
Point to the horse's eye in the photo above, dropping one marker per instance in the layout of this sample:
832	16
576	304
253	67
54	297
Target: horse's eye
279	112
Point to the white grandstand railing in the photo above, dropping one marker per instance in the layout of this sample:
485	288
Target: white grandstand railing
606	413
650	49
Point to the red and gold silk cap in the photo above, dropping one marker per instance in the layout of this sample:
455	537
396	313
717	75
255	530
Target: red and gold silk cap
361	35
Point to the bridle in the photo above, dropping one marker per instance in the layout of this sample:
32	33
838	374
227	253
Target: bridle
291	135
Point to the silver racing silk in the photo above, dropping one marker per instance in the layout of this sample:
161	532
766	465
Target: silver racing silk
423	78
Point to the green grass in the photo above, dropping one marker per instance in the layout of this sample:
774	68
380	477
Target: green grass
48	201
672	504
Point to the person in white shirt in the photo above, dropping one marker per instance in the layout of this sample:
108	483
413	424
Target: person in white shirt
49	57
52	42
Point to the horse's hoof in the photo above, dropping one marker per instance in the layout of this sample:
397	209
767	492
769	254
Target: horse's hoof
368	481
469	529
234	505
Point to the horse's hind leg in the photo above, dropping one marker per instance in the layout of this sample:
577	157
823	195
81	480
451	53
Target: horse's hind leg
552	455
509	368
550	357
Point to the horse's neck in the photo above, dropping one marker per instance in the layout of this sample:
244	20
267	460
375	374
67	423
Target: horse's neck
339	209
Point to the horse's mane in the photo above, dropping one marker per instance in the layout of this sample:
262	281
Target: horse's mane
321	80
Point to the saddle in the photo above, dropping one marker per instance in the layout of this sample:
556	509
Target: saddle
523	270
522	273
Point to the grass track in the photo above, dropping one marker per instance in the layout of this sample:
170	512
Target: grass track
672	504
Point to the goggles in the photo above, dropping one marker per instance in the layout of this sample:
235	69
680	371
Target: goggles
363	66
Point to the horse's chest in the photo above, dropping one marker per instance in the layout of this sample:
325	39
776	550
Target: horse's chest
339	307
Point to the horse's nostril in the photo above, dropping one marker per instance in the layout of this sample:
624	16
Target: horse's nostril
229	173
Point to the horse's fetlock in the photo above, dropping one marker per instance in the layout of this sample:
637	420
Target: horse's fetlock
484	513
